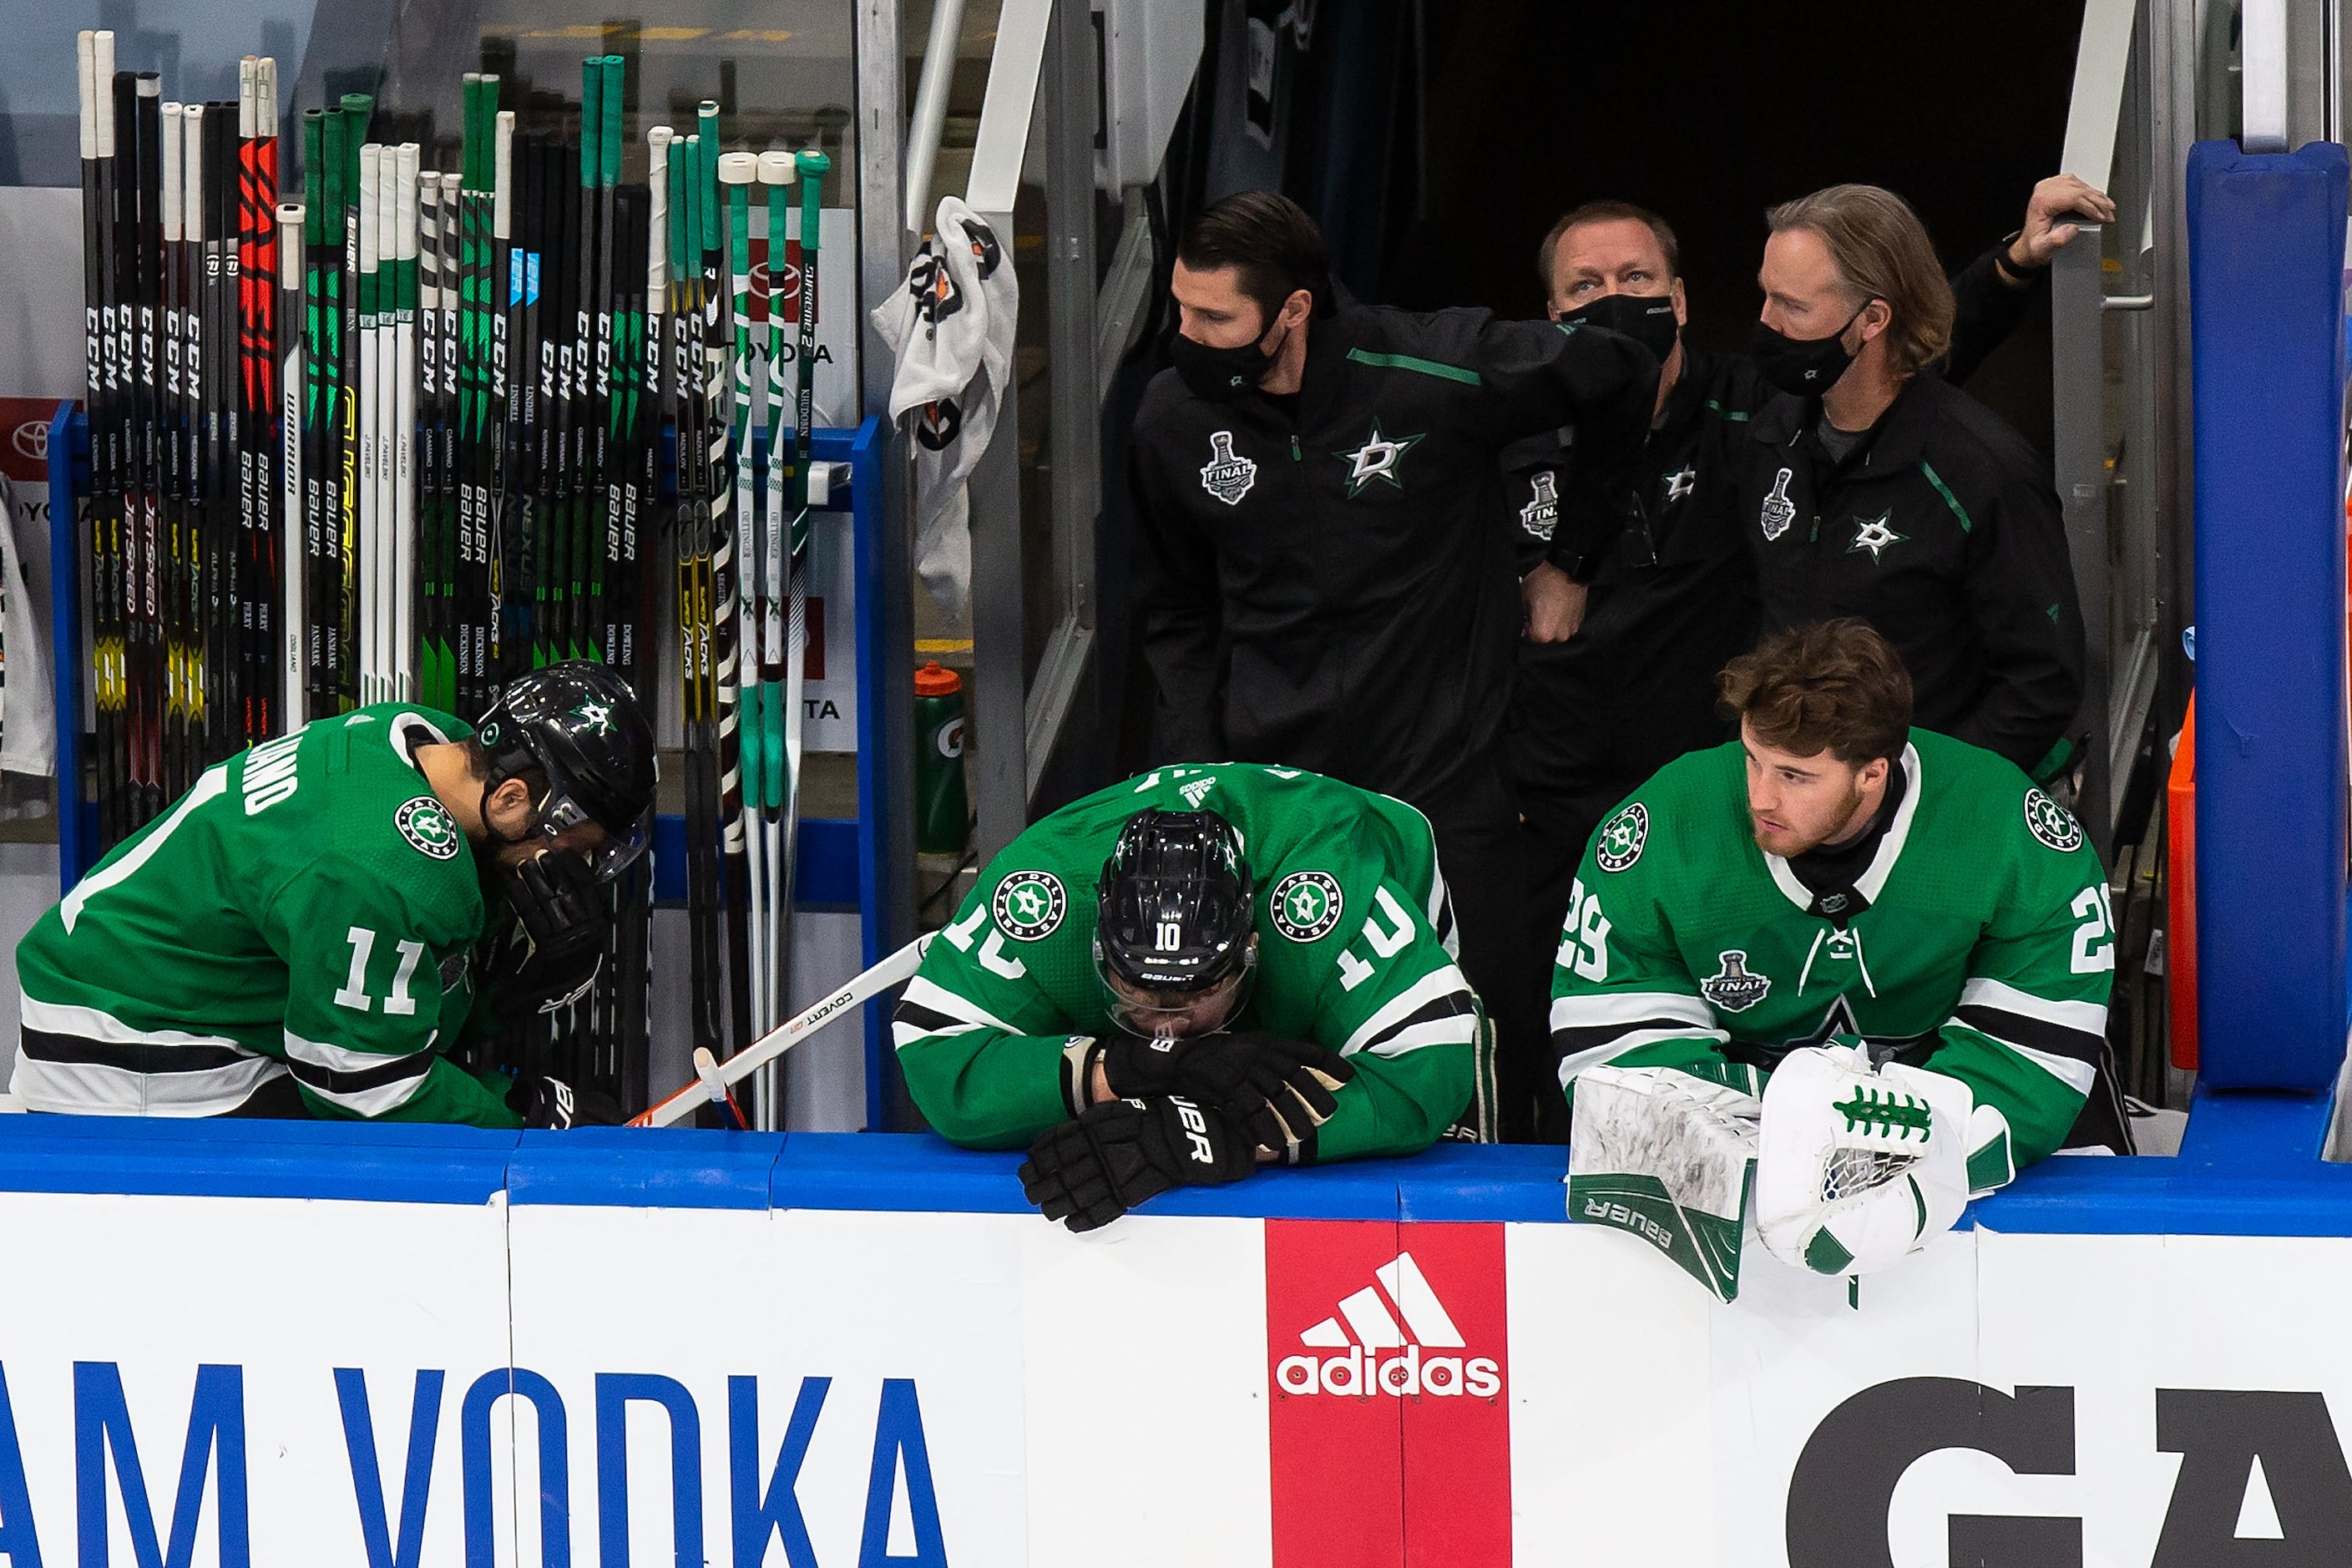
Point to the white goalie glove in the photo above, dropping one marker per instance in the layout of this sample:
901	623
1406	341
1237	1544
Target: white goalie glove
1665	1156
1857	1167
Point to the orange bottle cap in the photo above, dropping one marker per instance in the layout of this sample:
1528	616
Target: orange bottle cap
934	680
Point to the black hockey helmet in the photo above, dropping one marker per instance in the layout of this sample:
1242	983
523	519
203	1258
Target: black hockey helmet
1173	913
579	725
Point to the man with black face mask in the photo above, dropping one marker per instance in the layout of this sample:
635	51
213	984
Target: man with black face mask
1319	579
1627	627
312	926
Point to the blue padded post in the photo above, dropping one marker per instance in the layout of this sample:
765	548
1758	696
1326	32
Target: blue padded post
2266	308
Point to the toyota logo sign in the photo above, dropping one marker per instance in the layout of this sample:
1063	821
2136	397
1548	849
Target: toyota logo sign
32	440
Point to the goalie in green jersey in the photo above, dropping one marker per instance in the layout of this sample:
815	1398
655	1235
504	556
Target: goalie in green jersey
1184	976
310	928
1866	962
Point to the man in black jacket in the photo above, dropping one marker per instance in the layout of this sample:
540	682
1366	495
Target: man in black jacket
1320	577
1617	678
1871	487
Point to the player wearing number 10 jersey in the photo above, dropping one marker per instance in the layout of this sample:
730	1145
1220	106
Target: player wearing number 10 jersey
1185	975
304	931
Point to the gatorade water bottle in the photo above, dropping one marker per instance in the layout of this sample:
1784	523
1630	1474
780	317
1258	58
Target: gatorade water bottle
942	820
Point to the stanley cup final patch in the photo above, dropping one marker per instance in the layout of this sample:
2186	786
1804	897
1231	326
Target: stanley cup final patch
1779	511
425	822
1226	476
1732	989
1541	516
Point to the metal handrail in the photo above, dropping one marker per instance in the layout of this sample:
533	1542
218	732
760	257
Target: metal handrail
931	109
2263	75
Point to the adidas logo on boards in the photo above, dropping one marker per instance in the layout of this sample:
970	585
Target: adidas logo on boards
1364	1328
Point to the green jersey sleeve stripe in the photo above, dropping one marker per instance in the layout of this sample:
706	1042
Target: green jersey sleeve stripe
1442	982
384	1084
1425	366
330	1058
2074	1073
1449	1021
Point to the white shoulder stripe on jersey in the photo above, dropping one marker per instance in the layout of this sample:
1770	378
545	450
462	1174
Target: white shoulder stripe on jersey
408	1072
2091	1017
903	1033
1577	1061
940	999
2075	1074
91	1024
1442	980
1587	1010
210	784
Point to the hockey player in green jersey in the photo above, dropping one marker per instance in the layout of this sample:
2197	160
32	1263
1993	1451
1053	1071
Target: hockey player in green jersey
302	932
1871	959
1189	974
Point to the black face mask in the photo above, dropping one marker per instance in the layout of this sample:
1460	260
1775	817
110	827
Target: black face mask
1806	366
1647	318
1219	376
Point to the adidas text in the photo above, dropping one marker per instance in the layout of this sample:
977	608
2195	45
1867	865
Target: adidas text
1407	1372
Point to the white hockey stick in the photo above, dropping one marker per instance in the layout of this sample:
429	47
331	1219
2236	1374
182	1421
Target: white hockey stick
683	1103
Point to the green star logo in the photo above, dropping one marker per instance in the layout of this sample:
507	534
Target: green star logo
597	716
1874	534
1622	837
1377	458
1305	905
1029	905
427	825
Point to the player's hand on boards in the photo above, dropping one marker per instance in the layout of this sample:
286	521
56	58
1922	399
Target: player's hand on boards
1279	1091
550	1102
1089	1171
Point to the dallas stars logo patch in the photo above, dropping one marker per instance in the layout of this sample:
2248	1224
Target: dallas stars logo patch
1305	905
1541	515
1029	905
425	822
1377	458
596	716
2052	823
1677	485
1622	837
1779	511
1732	989
1874	534
1226	476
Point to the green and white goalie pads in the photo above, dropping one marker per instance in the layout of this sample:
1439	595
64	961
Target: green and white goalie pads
1667	1156
1858	1166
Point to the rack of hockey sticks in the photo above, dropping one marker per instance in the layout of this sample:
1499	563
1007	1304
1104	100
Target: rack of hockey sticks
420	430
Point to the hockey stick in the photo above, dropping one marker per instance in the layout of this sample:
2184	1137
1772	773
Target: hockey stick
813	165
292	561
777	173
684	1102
404	239
729	557
372	551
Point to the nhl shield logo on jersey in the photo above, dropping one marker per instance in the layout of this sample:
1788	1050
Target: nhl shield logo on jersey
424	822
1622	837
2052	823
1305	905
1732	989
1779	511
1226	476
1029	905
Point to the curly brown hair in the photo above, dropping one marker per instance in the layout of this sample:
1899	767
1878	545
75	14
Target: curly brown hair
1833	686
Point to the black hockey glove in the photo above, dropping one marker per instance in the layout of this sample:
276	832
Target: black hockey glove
561	917
550	1102
1277	1090
1090	1171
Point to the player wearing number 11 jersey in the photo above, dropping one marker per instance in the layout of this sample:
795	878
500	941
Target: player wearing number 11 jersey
1185	974
308	930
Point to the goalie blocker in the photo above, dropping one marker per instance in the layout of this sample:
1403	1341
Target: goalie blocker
1872	960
